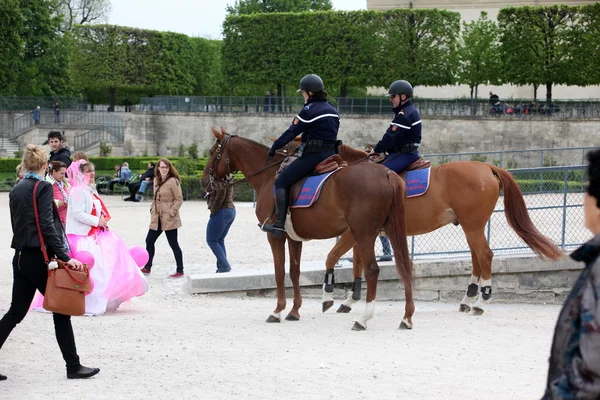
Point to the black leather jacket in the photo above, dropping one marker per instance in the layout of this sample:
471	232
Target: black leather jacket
25	234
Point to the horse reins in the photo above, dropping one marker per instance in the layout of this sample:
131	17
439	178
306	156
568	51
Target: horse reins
212	171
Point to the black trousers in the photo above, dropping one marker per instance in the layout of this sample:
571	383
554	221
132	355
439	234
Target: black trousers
31	273
133	189
171	238
300	168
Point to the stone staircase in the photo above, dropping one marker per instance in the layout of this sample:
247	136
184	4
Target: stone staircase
8	147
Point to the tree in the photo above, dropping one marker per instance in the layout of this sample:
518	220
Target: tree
418	45
79	12
479	54
45	70
11	46
589	44
537	45
271	6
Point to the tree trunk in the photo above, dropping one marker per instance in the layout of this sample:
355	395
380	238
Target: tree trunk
535	88
548	92
343	94
279	100
112	98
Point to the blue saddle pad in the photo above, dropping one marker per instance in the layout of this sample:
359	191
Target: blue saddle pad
311	189
417	182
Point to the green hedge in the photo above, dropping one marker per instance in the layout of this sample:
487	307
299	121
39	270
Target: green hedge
9	164
537	186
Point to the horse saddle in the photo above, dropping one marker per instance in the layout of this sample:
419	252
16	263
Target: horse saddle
416	175
306	191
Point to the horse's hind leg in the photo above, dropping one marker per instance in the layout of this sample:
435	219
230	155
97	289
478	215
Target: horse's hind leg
354	294
366	251
482	252
342	246
295	249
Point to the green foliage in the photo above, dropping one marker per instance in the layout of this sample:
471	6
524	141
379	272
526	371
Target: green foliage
181	150
277	6
478	53
588	67
511	163
193	151
479	157
207	68
549	161
105	149
9	164
539	45
186	166
11	45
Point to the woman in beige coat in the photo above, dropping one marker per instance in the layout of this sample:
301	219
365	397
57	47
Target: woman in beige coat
164	214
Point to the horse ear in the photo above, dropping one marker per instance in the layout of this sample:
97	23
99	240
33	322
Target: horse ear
224	132
272	138
217	134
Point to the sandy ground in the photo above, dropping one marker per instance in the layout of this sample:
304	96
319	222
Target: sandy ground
170	344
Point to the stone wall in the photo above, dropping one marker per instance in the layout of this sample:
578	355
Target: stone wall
514	279
162	133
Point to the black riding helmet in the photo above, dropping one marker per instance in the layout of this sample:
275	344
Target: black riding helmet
400	87
311	82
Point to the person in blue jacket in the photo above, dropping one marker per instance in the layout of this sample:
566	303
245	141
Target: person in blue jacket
403	137
318	122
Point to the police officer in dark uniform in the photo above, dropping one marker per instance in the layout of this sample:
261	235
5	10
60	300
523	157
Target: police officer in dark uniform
318	122
402	139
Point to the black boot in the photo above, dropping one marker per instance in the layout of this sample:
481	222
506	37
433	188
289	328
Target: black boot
282	200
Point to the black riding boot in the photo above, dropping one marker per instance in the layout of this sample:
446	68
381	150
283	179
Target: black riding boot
281	205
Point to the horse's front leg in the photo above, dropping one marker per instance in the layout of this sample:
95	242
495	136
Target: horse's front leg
295	249
278	250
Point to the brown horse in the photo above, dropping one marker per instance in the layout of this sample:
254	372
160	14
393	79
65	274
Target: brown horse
362	199
465	193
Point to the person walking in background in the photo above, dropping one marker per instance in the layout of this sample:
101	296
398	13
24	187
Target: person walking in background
222	215
60	187
30	272
164	214
574	371
57	112
36	114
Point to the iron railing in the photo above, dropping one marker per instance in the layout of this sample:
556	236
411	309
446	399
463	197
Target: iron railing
375	105
48	102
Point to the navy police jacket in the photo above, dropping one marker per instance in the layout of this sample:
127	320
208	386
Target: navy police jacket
318	120
405	129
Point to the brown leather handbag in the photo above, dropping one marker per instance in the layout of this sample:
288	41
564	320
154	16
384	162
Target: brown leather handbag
65	289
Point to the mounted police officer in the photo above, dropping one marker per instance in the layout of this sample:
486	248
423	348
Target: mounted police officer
402	139
318	122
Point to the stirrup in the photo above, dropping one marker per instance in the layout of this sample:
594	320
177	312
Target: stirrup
271	228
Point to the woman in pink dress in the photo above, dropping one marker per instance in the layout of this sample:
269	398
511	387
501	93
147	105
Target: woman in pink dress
61	188
115	276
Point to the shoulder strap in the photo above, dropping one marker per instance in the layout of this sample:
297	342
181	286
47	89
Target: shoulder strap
37	223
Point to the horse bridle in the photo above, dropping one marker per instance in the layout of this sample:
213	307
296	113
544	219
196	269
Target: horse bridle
212	170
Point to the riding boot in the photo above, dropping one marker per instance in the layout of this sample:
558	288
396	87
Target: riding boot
282	199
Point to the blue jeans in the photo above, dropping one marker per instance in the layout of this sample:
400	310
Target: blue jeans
142	189
385	244
216	231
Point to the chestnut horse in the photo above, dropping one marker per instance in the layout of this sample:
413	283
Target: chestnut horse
361	199
460	192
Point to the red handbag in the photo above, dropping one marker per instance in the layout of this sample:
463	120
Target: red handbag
65	289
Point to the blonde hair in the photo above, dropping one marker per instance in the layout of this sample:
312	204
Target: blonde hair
79	155
35	159
18	169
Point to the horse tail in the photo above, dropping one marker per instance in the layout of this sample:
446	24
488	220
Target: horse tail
395	228
518	217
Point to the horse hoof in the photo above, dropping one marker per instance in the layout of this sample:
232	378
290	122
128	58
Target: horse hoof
344	309
291	317
327	305
405	325
358	327
477	311
464	308
273	318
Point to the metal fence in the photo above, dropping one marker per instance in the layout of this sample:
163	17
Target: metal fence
105	119
375	105
554	199
31	102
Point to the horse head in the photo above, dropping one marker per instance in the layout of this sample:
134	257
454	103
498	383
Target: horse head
219	164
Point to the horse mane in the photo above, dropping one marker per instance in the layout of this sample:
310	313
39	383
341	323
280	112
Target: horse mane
351	154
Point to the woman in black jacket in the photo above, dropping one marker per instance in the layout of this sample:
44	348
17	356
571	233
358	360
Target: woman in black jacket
30	272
